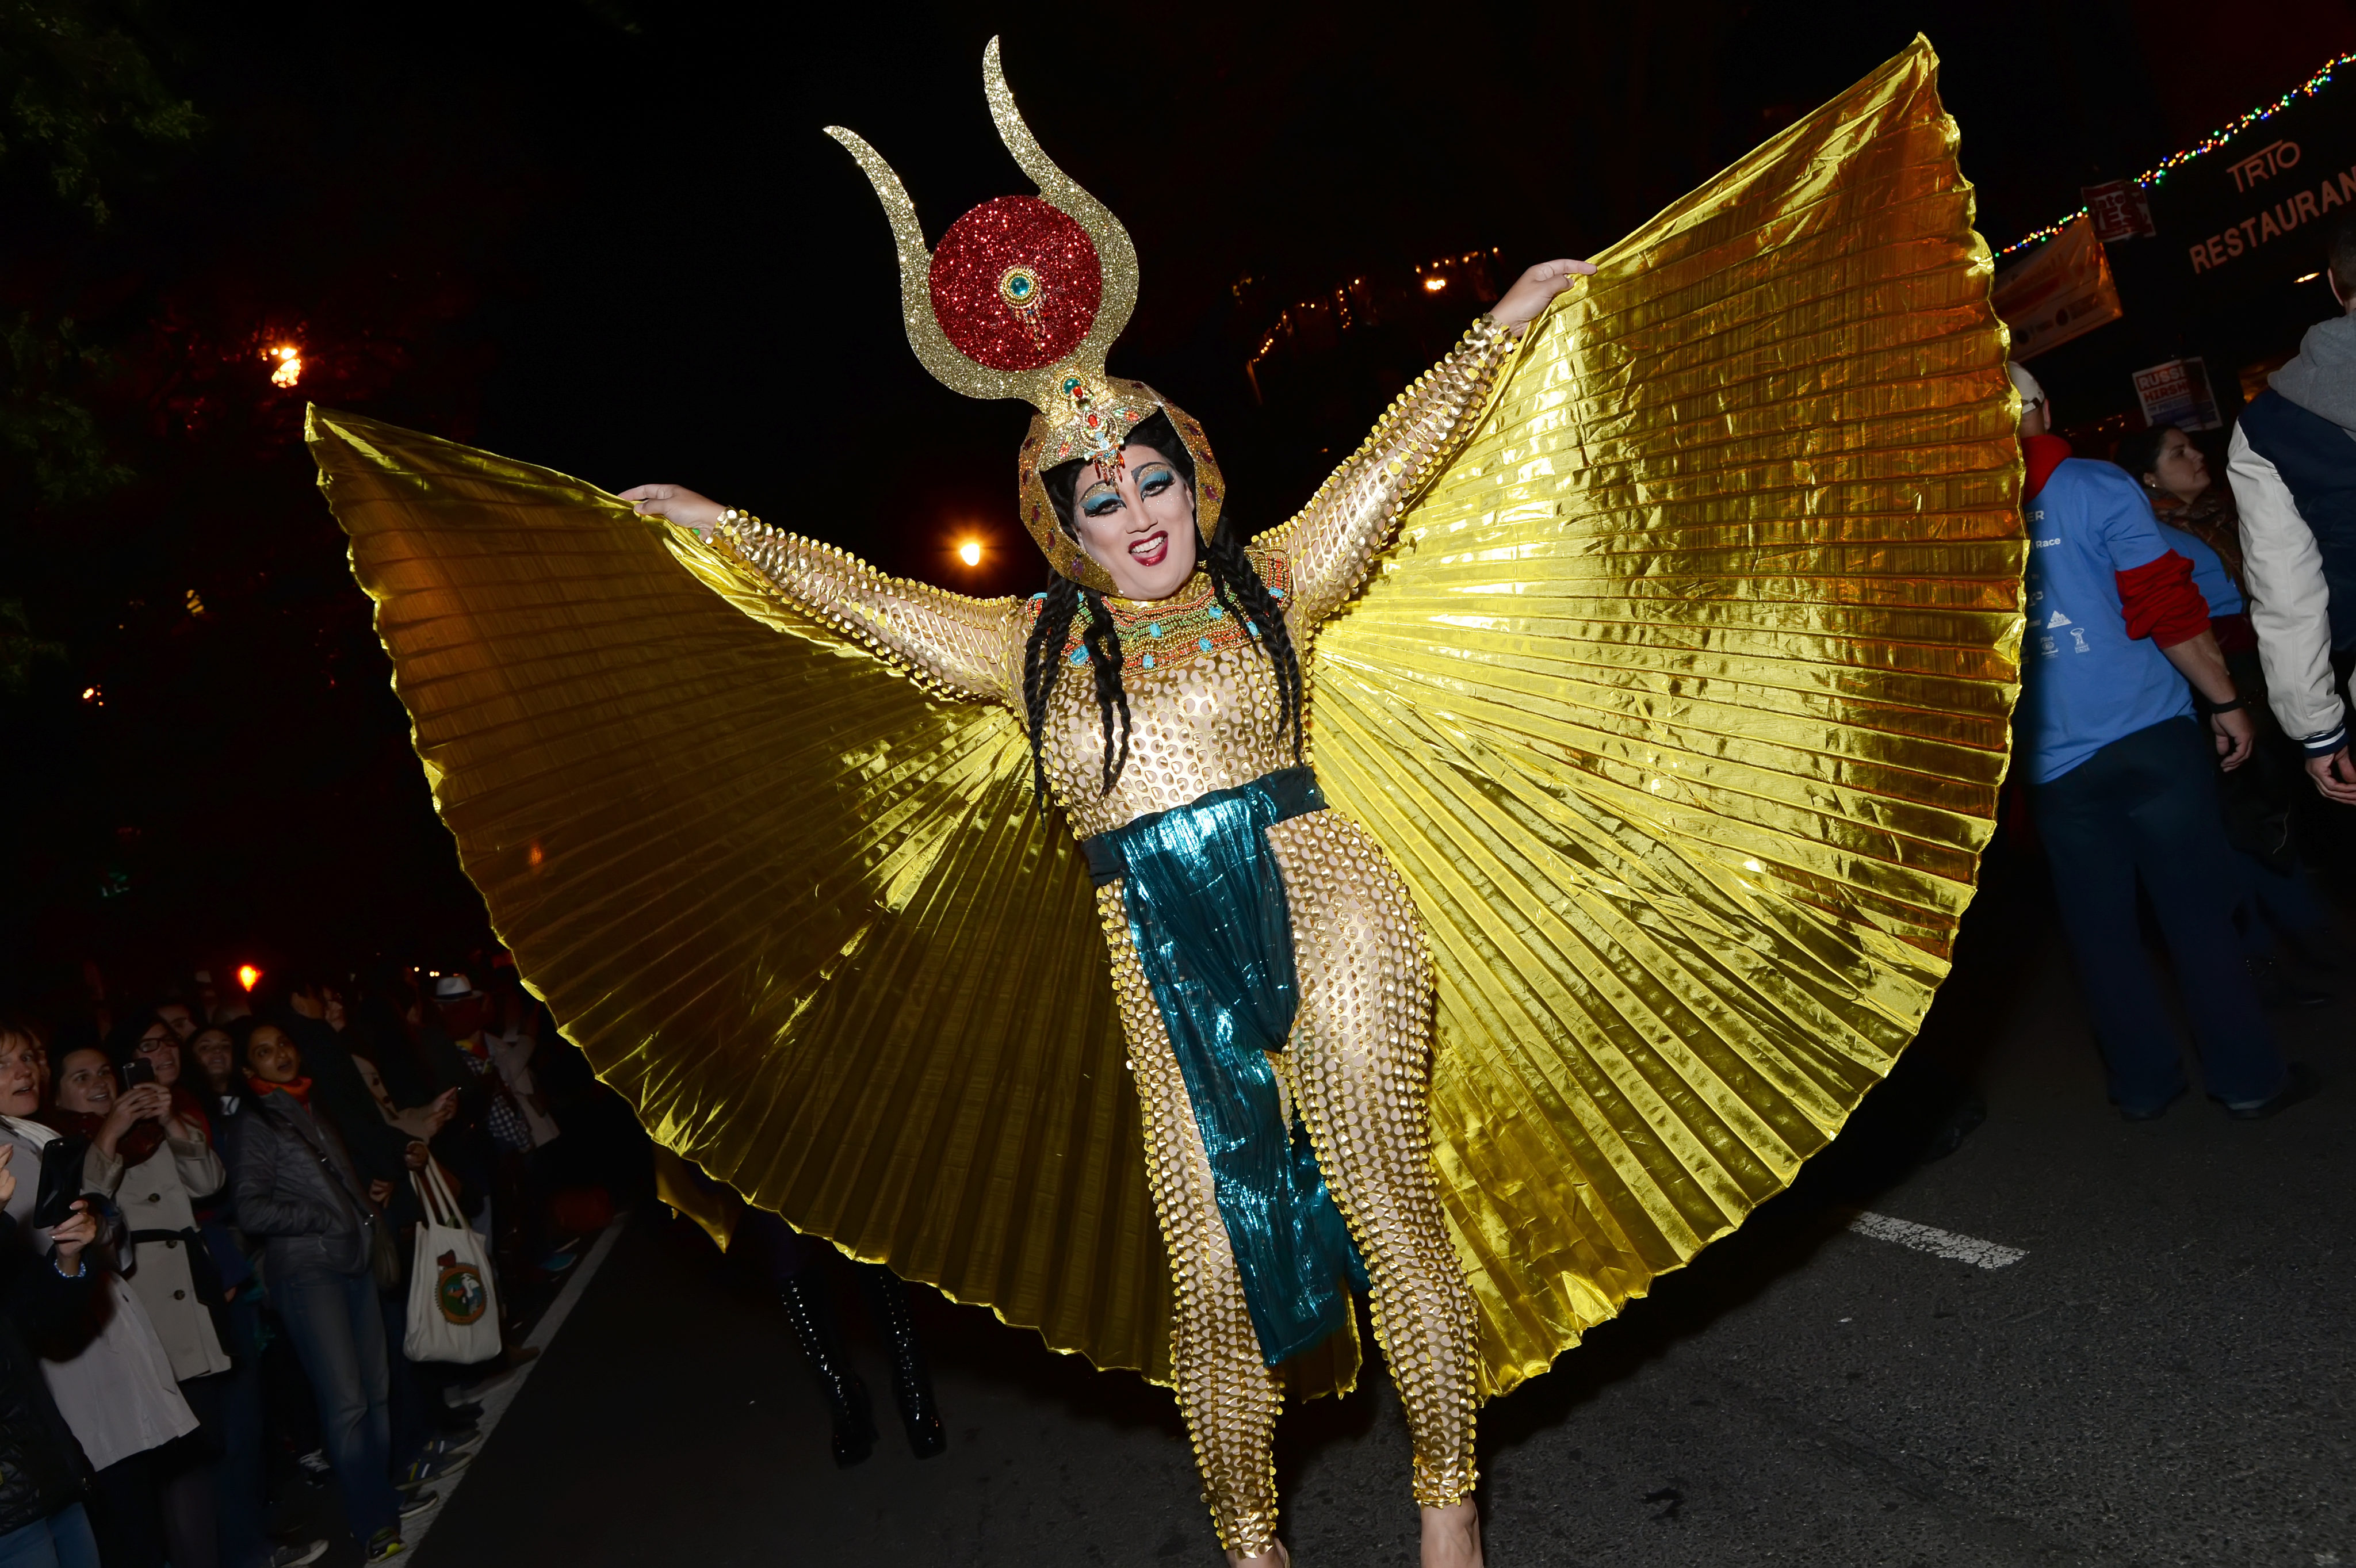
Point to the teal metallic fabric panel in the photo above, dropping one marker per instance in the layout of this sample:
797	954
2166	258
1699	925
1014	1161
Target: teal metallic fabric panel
1207	911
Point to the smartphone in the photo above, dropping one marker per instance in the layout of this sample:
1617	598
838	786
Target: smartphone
62	1161
138	1072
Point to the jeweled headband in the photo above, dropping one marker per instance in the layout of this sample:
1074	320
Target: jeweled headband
1024	298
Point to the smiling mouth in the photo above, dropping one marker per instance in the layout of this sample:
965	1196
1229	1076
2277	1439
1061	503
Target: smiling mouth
1148	550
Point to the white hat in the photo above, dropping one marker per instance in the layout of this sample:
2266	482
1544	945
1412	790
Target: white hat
453	987
2031	394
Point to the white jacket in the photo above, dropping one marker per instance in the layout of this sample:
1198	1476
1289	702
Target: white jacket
2291	603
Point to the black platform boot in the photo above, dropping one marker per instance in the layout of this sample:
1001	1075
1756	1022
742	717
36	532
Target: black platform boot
912	1381
810	1307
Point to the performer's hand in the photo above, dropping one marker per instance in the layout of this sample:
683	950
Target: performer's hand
1531	294
676	503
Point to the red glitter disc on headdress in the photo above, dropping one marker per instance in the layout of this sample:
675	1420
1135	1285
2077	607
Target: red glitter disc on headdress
978	273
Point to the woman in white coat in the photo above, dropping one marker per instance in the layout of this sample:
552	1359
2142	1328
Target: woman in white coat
114	1384
158	1193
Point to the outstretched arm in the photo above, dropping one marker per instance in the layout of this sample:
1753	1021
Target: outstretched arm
1330	545
950	643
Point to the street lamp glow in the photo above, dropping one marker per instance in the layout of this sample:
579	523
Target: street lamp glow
1434	285
290	365
248	976
970	553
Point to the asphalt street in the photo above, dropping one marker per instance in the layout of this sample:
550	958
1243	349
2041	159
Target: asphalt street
2163	1377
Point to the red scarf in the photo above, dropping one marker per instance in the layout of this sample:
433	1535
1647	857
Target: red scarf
298	1089
191	1111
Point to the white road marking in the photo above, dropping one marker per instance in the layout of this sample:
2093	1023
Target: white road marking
496	1399
1937	1243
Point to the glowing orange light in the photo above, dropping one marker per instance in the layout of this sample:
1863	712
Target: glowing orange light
248	976
970	553
1434	285
2310	277
290	365
90	693
537	854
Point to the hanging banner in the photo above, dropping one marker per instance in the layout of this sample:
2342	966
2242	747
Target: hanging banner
2177	392
2060	291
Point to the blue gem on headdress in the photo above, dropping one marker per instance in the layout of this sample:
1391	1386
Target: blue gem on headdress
1276	593
1079	656
1217	614
1205	644
1154	631
1252	628
1149	661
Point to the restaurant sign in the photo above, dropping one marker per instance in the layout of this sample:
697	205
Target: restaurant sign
2255	210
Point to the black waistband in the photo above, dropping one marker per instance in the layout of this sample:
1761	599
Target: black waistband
1293	790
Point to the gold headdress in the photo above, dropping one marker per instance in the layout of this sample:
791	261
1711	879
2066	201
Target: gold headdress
1024	298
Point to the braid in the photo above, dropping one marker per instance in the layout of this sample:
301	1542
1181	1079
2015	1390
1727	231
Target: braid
1103	643
1042	660
1234	577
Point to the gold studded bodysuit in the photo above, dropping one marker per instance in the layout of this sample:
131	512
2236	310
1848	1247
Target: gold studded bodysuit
1206	707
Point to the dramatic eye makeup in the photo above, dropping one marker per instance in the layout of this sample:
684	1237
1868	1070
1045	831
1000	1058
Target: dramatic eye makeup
1155	477
1102	501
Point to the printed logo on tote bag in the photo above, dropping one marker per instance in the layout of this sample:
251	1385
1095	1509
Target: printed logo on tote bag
460	1290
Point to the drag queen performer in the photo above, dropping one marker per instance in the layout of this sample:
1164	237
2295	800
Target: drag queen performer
1510	868
1232	899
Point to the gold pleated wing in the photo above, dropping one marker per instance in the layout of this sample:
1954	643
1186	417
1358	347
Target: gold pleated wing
801	915
1682	702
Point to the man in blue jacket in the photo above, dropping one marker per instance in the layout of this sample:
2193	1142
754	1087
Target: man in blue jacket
2122	779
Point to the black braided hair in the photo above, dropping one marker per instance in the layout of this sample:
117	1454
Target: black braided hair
1234	579
1042	660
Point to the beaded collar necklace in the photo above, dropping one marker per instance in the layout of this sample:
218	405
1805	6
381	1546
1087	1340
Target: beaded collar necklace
1190	625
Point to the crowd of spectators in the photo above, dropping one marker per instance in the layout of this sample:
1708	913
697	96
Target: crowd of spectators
211	1197
2184	683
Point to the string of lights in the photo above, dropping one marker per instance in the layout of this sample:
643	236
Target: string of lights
2208	144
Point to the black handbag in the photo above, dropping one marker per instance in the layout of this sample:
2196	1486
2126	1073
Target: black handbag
384	1257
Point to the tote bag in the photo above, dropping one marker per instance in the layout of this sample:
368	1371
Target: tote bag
454	1308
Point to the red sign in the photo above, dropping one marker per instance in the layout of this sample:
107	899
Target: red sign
2119	211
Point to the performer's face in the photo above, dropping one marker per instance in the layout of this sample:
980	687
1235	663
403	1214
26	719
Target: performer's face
1138	524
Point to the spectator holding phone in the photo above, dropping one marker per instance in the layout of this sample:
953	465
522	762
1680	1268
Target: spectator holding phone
42	1473
107	1370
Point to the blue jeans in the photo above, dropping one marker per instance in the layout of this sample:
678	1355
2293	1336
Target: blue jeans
238	1482
2146	807
61	1540
338	1333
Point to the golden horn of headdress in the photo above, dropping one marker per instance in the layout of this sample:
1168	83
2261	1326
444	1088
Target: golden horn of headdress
1115	256
934	350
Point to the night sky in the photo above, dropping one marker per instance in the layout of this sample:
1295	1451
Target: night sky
608	238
